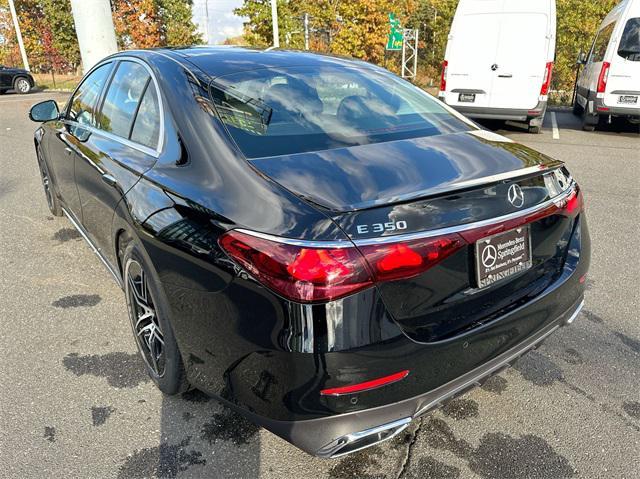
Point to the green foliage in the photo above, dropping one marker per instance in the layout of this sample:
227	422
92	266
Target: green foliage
359	28
176	25
578	22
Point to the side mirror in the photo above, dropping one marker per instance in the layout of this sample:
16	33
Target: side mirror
582	59
44	111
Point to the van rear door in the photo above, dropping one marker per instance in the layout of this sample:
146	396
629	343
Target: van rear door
623	85
522	55
472	50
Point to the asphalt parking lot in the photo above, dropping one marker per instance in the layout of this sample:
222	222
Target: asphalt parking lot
75	401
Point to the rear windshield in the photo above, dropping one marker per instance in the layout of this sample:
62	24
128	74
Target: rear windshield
630	41
271	112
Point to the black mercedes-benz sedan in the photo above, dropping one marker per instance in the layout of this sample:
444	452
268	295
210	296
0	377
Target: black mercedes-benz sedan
315	242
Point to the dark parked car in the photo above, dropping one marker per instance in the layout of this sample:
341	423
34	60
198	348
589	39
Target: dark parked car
313	241
15	79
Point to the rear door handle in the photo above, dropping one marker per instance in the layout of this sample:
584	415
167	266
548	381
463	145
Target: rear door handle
110	180
68	150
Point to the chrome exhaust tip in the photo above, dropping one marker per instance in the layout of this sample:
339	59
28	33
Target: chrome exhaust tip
575	314
357	441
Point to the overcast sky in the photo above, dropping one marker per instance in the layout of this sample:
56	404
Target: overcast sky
222	22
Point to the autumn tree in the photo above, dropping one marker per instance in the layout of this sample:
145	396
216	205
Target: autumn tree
578	23
177	27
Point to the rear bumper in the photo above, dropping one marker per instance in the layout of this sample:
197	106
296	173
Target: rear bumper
338	435
602	109
503	113
439	371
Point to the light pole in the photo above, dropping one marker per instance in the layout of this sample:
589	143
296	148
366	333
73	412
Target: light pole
23	52
94	28
274	20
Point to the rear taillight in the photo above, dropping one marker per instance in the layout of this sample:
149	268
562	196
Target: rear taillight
309	274
443	76
603	77
299	273
546	81
409	258
323	274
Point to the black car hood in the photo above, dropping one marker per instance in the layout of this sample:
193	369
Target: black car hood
348	179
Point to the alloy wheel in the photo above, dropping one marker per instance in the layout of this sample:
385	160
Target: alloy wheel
144	318
23	85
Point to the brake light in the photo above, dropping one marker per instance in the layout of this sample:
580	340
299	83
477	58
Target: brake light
313	274
443	76
299	273
546	82
574	203
365	386
604	76
410	258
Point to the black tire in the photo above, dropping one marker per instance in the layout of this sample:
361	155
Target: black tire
22	85
534	129
47	183
167	369
2	92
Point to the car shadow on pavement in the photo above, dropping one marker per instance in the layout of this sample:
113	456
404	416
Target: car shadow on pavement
198	438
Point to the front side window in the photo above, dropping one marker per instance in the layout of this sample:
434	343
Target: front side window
282	111
83	104
599	49
123	97
629	47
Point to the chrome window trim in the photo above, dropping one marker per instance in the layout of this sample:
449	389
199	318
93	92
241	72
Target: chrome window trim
154	152
558	199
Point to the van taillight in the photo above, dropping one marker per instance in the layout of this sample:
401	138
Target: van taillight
546	82
311	274
443	77
604	76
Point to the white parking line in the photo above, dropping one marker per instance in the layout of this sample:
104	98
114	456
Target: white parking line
554	124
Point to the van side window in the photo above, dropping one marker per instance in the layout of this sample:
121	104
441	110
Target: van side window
599	49
629	48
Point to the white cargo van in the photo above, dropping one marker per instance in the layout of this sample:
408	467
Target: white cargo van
609	84
499	60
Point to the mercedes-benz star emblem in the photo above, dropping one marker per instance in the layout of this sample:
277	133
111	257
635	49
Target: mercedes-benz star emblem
489	256
516	196
494	67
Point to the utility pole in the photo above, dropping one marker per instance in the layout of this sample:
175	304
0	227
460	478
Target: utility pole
274	20
23	52
206	23
306	31
94	28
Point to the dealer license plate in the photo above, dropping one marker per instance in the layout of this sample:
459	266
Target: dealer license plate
501	256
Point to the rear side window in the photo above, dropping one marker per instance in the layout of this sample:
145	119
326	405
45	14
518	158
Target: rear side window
630	41
601	43
83	104
146	129
123	97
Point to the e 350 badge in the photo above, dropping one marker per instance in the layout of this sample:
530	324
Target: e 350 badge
382	227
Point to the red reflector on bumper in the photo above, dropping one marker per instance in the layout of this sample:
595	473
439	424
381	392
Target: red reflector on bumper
366	386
